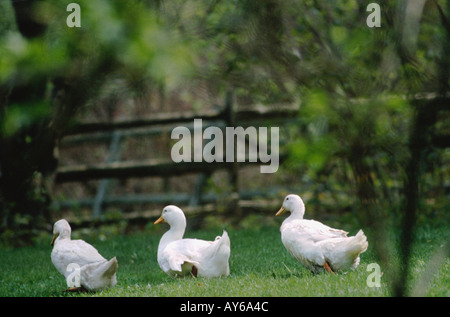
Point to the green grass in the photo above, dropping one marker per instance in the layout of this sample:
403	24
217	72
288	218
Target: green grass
260	266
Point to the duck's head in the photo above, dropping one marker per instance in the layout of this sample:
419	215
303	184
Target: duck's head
173	215
61	228
294	204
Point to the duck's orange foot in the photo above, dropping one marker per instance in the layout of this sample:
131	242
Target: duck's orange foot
327	267
76	289
194	271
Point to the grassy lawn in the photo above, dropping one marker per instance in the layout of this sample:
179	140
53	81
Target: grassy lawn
259	264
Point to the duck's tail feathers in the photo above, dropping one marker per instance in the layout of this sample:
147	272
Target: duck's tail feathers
343	253
361	241
218	256
221	244
99	275
357	245
111	267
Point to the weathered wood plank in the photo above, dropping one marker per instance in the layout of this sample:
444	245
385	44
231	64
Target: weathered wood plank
177	198
262	207
255	112
157	118
145	168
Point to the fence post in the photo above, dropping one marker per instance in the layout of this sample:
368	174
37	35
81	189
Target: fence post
113	155
196	198
233	172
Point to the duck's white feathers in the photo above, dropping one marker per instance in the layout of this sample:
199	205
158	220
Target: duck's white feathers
177	256
99	275
95	271
209	257
343	253
215	257
314	230
67	251
313	243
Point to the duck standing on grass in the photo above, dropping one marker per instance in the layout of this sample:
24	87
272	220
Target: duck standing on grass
80	263
180	257
316	245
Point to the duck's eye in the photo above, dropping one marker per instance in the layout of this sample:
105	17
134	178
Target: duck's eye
287	198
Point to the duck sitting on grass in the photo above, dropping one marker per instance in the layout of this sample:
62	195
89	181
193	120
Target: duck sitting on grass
80	263
180	257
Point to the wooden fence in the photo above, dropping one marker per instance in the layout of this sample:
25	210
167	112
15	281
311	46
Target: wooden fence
195	201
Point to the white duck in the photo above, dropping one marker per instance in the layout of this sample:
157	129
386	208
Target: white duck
180	257
316	245
71	257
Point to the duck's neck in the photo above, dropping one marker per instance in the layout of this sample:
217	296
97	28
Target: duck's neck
297	211
176	232
63	235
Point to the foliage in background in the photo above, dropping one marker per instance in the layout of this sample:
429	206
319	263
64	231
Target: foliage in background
369	97
48	72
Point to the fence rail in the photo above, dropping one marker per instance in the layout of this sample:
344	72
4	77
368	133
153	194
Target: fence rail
227	114
145	168
254	206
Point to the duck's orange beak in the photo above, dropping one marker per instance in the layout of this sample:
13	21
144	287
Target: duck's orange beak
281	211
53	240
160	220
